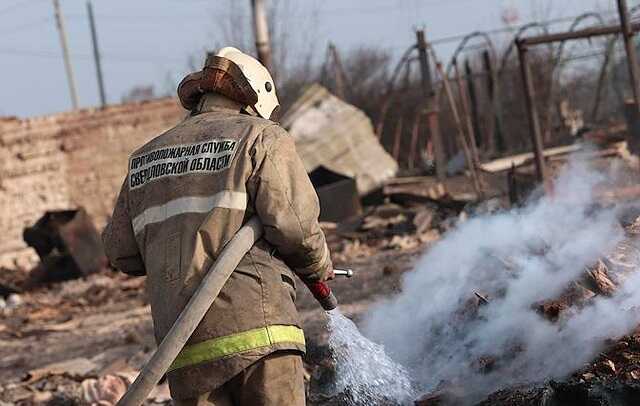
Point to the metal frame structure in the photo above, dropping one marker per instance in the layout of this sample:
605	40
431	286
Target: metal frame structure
434	97
523	44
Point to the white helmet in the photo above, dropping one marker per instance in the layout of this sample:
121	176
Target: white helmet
258	77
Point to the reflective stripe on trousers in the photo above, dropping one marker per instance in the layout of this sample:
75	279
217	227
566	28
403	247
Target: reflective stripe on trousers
219	347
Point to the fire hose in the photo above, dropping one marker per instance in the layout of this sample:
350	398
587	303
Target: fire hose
199	304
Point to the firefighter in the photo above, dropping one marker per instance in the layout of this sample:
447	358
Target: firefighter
186	194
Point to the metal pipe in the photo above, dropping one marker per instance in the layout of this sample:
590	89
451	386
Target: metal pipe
473	100
632	58
463	44
466	115
460	129
604	70
414	139
532	111
512	44
493	124
343	272
580	34
432	109
396	140
555	69
389	91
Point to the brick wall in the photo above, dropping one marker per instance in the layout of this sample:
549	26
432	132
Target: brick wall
68	160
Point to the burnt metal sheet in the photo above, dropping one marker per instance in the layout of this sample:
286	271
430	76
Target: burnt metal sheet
332	133
67	243
338	195
632	116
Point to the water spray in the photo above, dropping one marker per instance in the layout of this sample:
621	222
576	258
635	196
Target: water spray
364	373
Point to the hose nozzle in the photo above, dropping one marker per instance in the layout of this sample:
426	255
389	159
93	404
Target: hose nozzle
348	273
322	292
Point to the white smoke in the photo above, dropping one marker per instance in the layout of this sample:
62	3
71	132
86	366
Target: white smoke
547	245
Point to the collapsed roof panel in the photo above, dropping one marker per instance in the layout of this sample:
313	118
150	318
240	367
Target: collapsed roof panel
338	136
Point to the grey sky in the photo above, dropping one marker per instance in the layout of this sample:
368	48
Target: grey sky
150	41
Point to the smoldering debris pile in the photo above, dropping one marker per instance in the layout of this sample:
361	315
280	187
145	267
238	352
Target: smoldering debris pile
612	379
76	342
518	298
386	227
502	301
412	216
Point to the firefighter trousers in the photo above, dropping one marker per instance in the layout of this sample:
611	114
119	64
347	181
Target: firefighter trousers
275	380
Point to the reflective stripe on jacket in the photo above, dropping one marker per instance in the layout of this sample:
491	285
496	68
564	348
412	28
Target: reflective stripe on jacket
187	193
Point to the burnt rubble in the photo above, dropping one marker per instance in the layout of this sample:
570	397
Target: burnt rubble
79	341
611	379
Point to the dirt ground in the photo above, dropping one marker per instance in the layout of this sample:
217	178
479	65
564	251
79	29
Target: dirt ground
82	341
60	336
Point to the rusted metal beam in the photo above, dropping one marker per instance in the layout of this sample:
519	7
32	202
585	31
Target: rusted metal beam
432	109
473	100
632	118
466	114
493	124
427	81
602	77
390	90
632	58
462	141
532	111
580	34
414	140
397	136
